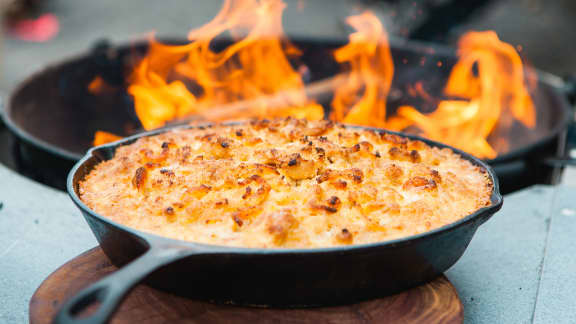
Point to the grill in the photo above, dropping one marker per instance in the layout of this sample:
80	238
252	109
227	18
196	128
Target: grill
53	115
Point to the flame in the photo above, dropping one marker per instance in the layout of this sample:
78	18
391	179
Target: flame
98	86
256	65
257	76
361	99
101	137
490	96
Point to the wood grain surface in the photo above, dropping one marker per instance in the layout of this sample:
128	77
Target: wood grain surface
435	302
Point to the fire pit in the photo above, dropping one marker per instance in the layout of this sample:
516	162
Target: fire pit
479	98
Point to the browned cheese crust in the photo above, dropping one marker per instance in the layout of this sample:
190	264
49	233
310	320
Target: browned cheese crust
284	183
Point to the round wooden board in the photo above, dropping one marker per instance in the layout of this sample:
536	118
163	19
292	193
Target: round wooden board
435	302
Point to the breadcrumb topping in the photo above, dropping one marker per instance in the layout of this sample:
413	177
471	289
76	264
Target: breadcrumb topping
284	183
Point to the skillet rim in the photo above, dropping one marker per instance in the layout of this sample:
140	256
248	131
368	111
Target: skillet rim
152	240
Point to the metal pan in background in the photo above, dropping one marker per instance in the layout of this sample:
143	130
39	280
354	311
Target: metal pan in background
54	116
257	276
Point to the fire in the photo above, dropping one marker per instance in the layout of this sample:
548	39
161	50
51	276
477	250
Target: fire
257	65
491	98
257	75
101	137
361	100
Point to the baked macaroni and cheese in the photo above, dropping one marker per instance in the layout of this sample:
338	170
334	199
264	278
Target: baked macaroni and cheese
284	183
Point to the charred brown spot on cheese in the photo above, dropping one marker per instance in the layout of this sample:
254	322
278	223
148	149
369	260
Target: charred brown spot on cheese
402	154
224	143
396	153
243	216
221	203
356	174
339	184
393	139
420	183
323	176
334	202
170	215
247	193
260	124
151	165
237	219
166	172
344	236
140	177
415	156
264	189
436	176
314	205
206	137
298	168
256	178
363	147
266	168
285	183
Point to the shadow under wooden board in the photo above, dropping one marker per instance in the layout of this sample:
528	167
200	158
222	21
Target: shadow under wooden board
435	302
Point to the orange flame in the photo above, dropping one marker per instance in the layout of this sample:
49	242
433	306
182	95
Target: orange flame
255	65
99	87
101	137
361	99
490	96
255	77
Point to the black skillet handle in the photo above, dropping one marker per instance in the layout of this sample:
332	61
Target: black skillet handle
108	293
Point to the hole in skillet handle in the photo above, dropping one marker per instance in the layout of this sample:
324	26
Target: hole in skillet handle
97	303
89	304
93	305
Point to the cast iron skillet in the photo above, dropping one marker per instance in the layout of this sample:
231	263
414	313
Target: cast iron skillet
258	276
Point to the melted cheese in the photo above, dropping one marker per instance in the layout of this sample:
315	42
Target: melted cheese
284	183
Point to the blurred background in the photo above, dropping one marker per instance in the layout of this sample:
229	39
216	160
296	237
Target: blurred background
40	32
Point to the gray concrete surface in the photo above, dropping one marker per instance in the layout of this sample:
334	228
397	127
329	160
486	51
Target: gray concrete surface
40	229
559	264
499	275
